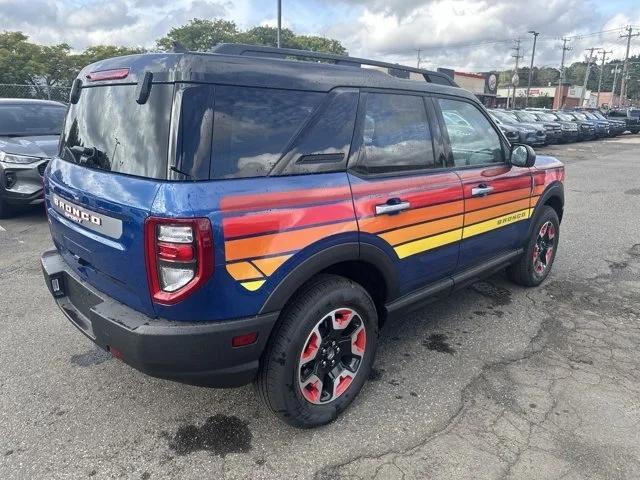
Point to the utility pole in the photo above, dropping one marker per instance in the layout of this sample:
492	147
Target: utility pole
615	81
533	53
565	49
604	56
586	74
279	22
625	69
517	56
419	58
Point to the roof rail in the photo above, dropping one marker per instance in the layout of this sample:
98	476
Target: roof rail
393	69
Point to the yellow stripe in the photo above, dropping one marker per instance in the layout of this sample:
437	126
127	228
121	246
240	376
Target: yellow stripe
428	243
243	271
252	286
502	221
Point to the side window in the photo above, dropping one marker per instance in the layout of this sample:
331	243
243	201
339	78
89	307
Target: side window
324	145
193	152
473	139
396	136
252	127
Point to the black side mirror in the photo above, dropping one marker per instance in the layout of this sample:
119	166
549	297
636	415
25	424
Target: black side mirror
523	156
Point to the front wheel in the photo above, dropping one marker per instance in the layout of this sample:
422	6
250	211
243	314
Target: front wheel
540	252
321	353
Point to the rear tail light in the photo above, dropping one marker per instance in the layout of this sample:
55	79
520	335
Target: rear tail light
179	256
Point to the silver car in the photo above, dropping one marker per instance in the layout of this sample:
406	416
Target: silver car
29	132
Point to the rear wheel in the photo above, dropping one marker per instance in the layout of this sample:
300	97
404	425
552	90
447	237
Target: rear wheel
536	262
321	353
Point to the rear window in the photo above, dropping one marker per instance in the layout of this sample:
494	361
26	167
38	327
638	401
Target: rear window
108	130
253	126
31	119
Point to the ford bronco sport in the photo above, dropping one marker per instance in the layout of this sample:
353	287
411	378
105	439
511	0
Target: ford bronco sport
236	216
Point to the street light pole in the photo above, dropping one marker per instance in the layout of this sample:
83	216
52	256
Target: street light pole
279	21
533	53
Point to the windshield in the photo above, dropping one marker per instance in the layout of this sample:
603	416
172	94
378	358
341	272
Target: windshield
590	115
527	117
580	116
599	116
547	116
634	112
31	119
565	117
506	117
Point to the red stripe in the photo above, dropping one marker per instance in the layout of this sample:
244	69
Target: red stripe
279	220
290	198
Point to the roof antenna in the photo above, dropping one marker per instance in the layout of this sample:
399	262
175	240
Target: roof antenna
177	47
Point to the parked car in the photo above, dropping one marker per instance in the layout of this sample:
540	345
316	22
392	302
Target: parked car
512	133
586	130
529	134
569	129
618	126
227	217
601	128
630	116
614	128
29	133
552	129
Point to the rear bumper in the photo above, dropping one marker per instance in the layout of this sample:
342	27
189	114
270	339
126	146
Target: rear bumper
199	353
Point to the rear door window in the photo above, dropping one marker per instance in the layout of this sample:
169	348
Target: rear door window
396	135
253	126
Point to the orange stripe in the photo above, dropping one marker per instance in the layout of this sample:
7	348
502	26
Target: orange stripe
497	211
243	271
407	234
283	242
534	200
496	198
538	189
387	222
270	265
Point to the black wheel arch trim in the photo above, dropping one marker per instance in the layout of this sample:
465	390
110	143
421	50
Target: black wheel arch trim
554	190
351	251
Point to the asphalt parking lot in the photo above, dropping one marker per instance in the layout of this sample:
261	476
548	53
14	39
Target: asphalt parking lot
496	382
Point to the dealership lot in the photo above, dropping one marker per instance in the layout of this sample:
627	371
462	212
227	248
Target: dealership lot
496	382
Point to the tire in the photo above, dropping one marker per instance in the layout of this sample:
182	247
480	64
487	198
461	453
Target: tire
287	378
545	234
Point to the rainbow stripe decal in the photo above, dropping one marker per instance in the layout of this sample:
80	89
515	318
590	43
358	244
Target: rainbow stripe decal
263	231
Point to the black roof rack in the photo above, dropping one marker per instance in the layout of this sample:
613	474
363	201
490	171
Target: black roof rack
394	69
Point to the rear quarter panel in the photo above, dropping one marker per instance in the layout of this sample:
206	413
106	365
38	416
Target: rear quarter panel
262	228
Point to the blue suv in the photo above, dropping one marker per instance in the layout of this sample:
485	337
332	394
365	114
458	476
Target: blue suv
254	214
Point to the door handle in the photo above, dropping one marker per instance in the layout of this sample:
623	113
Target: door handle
481	190
391	208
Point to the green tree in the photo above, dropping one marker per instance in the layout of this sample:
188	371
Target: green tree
200	34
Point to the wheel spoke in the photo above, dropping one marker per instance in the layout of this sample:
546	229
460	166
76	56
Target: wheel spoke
311	348
312	389
341	318
341	382
358	341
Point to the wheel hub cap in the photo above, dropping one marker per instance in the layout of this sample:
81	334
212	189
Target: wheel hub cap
543	250
331	356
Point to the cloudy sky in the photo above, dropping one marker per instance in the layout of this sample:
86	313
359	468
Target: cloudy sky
463	34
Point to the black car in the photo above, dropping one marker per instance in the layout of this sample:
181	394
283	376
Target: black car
552	129
29	133
630	116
